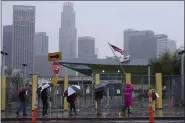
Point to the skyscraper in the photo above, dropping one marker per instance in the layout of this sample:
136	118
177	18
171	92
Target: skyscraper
23	38
7	45
41	43
86	47
164	44
68	35
140	44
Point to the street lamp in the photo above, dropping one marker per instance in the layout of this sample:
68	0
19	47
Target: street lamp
24	69
3	60
181	53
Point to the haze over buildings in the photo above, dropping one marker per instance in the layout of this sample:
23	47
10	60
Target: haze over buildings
41	43
140	44
86	47
68	35
145	44
136	43
23	37
164	44
7	45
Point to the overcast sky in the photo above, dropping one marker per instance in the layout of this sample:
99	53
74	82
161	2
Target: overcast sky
105	21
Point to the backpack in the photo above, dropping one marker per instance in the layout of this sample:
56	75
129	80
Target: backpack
68	99
154	97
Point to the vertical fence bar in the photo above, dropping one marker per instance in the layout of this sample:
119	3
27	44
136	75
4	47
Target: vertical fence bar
3	93
65	87
159	90
34	89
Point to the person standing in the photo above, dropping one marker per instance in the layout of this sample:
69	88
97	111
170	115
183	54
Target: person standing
71	99
44	98
98	97
153	92
128	90
22	99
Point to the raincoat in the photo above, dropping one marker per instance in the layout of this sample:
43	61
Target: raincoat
128	94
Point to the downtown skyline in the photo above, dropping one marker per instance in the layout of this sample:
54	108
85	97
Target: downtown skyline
115	38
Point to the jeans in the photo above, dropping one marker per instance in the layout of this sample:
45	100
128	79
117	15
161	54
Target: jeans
72	107
22	105
45	107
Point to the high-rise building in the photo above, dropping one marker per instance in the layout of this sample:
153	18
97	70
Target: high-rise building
140	44
23	38
68	35
164	44
86	47
7	45
41	43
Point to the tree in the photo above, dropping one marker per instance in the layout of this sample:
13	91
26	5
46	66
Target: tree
167	64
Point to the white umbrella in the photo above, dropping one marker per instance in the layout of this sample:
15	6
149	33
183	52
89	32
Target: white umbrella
71	90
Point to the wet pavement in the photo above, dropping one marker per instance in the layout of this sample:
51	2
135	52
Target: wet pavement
109	116
141	112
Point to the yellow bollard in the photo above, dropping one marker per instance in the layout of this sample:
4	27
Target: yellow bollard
3	93
3	115
97	81
65	87
160	113
128	78
34	89
159	90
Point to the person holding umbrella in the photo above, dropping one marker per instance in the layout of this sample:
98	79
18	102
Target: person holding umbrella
99	90
42	92
71	100
71	94
44	98
22	99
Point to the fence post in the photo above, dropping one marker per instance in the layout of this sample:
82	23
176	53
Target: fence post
159	90
97	81
65	87
128	78
3	93
34	89
160	113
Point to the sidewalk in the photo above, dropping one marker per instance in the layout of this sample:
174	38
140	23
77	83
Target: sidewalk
137	114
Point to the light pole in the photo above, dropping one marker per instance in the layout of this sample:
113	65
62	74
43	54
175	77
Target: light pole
24	69
181	53
3	60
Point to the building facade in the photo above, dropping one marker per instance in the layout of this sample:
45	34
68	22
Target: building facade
23	38
164	44
41	43
68	35
7	45
140	44
86	47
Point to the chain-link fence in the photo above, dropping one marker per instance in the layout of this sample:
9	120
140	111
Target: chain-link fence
142	85
13	83
112	97
172	91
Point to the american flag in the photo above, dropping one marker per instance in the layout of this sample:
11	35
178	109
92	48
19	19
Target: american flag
116	49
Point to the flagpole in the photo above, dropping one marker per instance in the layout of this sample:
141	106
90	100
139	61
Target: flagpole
117	59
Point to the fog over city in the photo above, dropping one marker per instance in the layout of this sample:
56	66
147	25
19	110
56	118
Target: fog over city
106	21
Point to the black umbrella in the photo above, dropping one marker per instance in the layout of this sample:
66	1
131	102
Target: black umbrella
102	86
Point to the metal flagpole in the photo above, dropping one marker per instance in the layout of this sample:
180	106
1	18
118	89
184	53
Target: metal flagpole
117	59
